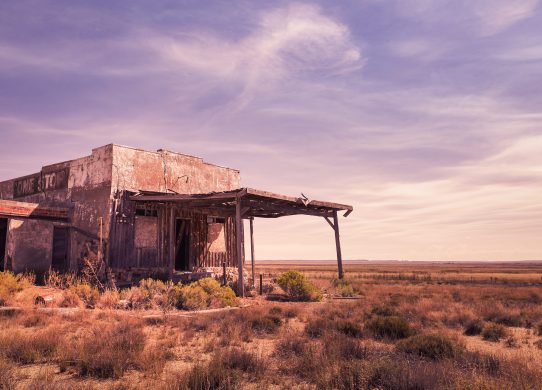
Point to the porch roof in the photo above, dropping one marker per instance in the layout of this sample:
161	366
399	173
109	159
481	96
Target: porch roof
255	203
11	208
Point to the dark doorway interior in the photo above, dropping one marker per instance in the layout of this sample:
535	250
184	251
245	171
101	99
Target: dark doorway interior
3	236
182	244
60	249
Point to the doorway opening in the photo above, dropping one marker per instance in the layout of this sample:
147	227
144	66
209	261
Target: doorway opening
3	238
60	249
182	245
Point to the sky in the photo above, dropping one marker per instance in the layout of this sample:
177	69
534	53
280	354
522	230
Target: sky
426	116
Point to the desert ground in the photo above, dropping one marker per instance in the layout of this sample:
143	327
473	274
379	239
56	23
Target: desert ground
387	325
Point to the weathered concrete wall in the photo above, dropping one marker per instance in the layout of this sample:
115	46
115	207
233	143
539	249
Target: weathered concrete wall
163	171
89	185
29	245
83	184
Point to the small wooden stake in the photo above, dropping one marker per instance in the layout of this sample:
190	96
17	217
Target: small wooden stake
261	284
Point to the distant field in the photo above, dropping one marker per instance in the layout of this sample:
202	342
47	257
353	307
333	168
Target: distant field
387	325
529	272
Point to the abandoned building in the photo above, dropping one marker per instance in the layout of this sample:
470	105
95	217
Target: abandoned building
144	213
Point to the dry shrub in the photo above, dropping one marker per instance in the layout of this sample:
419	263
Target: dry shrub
223	371
33	319
109	299
433	346
265	324
220	296
343	347
105	350
11	284
153	359
344	287
60	280
86	293
539	328
238	359
310	365
8	379
29	346
192	297
291	345
392	327
494	332
473	327
384	310
504	316
70	299
46	380
316	328
298	288
349	328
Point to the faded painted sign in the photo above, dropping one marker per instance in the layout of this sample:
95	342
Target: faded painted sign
40	182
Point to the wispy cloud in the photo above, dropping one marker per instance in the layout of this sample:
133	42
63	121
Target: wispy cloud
425	115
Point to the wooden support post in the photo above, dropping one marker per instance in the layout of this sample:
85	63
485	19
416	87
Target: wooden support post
239	247
252	251
224	278
338	245
171	242
261	284
101	241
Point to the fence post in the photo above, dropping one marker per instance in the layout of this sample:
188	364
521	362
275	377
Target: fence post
224	280
261	284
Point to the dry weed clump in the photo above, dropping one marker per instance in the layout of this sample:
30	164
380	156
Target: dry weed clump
473	328
225	370
433	346
494	332
389	327
11	284
30	345
8	377
105	350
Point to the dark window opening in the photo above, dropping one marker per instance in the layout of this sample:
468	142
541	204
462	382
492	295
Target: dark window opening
3	238
182	245
60	249
216	220
147	212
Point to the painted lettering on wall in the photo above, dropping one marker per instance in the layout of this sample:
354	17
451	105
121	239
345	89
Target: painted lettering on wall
40	182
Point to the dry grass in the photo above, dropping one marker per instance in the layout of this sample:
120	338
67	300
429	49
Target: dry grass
413	327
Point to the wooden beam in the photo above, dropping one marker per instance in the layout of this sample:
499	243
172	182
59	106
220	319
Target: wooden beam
239	248
244	210
252	251
338	245
330	223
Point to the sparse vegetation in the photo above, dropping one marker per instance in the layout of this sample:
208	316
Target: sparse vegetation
403	330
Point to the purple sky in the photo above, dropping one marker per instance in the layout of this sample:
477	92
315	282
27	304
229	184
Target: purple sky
424	115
